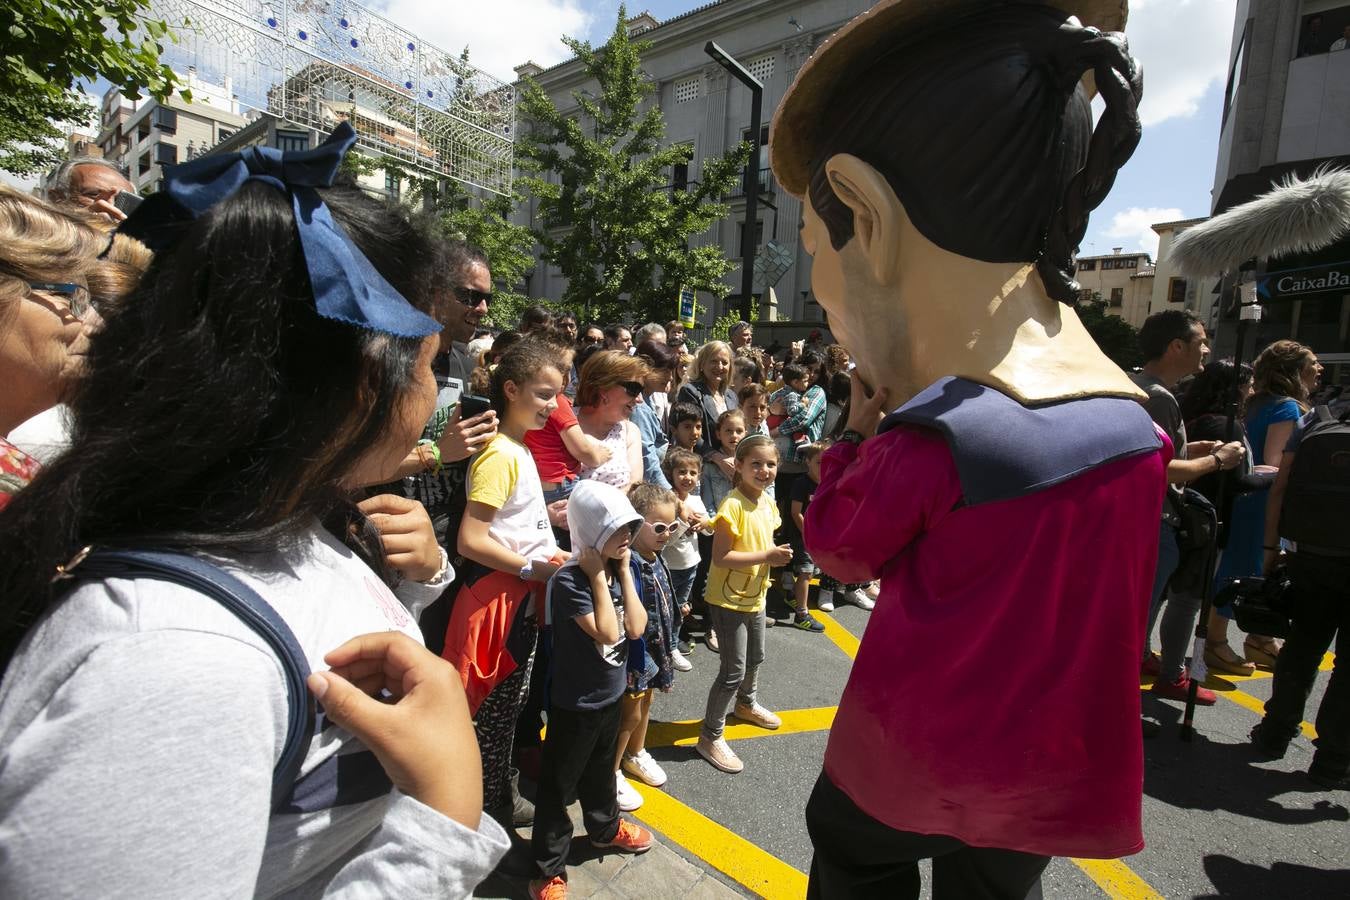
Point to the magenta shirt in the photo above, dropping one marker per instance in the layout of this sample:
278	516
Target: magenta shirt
995	695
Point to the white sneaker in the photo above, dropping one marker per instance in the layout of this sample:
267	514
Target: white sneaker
827	601
860	599
629	798
645	769
680	661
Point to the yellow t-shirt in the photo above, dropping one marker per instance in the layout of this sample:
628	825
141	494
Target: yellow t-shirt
503	477
752	524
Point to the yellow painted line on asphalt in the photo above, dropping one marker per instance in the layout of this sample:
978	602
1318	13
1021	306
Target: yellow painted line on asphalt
723	849
1116	879
685	733
1224	688
838	634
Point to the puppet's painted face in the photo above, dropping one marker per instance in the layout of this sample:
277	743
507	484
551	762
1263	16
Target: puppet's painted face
864	316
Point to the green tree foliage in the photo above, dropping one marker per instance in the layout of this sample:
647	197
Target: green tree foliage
1115	337
610	220
49	45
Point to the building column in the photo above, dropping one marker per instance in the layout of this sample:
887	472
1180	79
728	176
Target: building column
714	137
796	279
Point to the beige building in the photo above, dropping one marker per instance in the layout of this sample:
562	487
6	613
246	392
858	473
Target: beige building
1123	280
145	135
1170	289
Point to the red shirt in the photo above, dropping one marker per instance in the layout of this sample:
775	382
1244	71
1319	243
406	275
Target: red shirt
994	697
546	444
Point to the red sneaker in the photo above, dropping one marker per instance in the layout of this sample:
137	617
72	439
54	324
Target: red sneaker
1177	690
554	888
629	838
1151	667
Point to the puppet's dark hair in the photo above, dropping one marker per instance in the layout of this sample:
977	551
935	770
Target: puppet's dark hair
984	132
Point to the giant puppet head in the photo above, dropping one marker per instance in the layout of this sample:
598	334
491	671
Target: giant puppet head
947	161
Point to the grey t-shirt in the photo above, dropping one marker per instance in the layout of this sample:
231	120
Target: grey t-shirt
1165	412
139	725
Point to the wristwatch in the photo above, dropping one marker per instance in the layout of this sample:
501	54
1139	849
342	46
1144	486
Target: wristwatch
849	436
526	570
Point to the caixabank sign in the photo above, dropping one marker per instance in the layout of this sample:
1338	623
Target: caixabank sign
1293	284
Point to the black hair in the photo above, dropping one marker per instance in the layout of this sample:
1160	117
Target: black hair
1162	328
536	316
585	353
984	132
793	372
219	410
659	356
1211	390
611	332
684	412
564	315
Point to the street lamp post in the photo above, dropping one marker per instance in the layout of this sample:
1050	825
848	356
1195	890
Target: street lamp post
748	244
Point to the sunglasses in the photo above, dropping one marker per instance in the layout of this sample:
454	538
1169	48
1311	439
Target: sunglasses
632	387
660	528
75	295
471	298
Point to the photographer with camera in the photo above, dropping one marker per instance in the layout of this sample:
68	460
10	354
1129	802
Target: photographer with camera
1306	507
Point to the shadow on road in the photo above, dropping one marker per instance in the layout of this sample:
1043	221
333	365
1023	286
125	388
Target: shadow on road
1233	878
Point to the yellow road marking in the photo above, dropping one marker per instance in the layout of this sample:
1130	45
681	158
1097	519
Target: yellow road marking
838	634
1224	688
723	849
1116	879
685	733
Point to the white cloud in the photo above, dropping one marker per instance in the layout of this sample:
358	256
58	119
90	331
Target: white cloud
1183	46
1133	227
500	34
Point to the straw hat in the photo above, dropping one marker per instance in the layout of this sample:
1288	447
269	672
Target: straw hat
793	134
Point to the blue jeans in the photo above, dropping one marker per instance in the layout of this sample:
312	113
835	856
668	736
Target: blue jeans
553	495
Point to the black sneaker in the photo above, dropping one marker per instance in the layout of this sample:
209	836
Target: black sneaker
685	646
1266	746
805	622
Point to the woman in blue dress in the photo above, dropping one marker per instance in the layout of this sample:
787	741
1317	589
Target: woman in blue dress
1285	374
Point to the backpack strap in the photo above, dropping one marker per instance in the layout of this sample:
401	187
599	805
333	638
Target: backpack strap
252	610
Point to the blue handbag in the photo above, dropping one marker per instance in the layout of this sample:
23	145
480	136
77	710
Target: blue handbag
250	608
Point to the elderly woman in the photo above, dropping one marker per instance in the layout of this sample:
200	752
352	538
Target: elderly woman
663	363
45	258
611	387
710	389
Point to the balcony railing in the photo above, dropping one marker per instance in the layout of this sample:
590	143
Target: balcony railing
766	185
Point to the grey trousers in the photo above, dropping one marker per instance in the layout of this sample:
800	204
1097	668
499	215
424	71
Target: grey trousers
740	640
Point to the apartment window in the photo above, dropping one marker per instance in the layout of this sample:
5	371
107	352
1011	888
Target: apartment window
223	133
679	176
759	235
391	184
290	141
1117	296
1087	265
763	146
689	89
164	119
143	130
1132	262
166	154
762	68
1236	73
1085	295
1176	290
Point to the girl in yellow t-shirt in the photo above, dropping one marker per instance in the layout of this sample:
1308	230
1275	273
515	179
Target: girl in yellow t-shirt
738	579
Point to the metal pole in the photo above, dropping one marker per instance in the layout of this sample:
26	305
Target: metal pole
751	204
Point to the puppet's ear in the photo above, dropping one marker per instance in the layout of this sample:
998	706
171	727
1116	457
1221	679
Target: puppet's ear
877	212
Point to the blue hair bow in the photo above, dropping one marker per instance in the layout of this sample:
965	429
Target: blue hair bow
347	288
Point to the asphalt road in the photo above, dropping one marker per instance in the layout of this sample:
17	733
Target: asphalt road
1217	822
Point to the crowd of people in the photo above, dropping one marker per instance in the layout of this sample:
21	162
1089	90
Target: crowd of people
562	511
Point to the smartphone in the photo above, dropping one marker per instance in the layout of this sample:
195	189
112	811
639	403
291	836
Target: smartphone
127	202
471	405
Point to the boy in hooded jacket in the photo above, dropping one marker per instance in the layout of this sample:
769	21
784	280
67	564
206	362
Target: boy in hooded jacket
595	611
